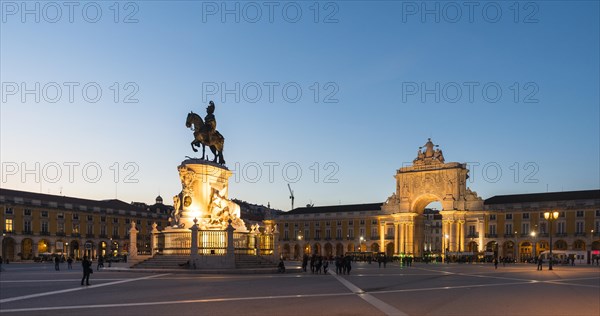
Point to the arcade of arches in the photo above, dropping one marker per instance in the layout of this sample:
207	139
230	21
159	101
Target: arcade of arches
31	248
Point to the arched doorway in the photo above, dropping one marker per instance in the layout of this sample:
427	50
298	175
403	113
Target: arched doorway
114	248
542	245
351	247
27	249
307	249
560	245
525	251
286	251
43	246
491	250
59	247
508	249
375	247
74	249
297	251
339	250
328	250
89	248
317	248
102	248
579	245
362	247
389	249
8	248
472	247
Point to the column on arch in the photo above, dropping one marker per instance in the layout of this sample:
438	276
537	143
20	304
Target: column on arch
444	233
480	231
461	235
396	234
382	237
402	237
411	237
451	240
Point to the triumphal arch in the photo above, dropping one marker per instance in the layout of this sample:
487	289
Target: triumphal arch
431	179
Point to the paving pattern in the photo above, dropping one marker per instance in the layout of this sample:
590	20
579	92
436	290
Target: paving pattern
423	289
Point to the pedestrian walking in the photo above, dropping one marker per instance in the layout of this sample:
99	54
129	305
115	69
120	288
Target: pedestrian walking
100	263
1	264
304	262
540	264
70	263
496	263
87	270
56	263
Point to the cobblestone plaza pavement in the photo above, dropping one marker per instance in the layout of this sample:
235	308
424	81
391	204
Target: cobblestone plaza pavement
423	289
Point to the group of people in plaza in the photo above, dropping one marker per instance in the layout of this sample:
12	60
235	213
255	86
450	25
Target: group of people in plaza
317	263
58	261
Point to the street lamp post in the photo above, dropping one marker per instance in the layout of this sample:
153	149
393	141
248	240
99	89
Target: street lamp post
360	243
533	253
516	248
551	217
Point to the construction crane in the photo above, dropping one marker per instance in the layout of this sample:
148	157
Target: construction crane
291	195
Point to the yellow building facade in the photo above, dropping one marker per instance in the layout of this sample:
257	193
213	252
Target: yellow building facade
36	225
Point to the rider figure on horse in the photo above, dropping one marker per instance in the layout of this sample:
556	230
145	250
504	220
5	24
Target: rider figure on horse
210	123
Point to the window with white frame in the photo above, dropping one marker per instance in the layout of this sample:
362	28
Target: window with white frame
492	229
543	228
525	228
560	229
471	230
579	227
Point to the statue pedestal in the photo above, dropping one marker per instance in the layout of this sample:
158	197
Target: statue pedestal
204	196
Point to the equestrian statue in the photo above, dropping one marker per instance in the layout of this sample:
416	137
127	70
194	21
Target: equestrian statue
206	134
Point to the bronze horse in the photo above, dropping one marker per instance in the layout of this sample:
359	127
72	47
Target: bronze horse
216	140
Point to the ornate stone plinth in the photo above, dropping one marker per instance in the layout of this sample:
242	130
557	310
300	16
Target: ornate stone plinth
204	196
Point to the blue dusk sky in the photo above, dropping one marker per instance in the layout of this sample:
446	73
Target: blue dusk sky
330	97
